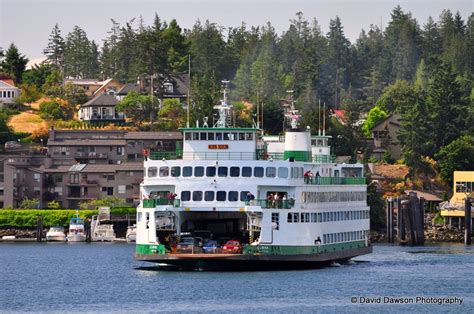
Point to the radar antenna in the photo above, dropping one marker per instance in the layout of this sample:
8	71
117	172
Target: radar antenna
224	109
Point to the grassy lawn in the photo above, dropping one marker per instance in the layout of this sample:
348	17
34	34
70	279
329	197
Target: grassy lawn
27	122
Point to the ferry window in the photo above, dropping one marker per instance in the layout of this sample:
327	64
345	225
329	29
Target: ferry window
243	196
139	216
292	217
304	217
195	136
319	217
271	172
164	171
313	217
187	136
276	221
233	196
234	171
258	172
185	196
222	171
282	172
210	171
219	136
210	136
226	136
187	171
203	136
241	136
197	196
175	171
209	196
199	171
249	136
152	172
246	172
235	136
221	196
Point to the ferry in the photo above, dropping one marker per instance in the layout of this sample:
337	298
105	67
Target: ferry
283	202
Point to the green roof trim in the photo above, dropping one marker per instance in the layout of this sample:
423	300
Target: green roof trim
219	129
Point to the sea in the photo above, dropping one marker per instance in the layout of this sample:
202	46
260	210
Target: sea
103	277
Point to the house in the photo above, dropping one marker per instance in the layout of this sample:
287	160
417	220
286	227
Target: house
92	87
101	108
164	87
81	165
8	91
384	138
463	186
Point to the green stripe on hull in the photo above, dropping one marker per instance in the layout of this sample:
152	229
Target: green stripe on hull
297	250
150	249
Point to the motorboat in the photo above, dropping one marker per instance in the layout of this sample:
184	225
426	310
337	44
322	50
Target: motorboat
76	230
56	233
131	235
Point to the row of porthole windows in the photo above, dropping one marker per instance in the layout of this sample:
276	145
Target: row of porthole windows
345	236
211	196
218	136
328	216
212	171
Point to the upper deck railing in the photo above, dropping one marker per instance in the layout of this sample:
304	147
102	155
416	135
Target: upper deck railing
153	202
334	180
258	155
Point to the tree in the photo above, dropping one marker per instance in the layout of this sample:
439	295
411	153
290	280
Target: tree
37	75
29	203
138	107
80	55
398	97
54	51
376	204
375	116
52	110
53	204
446	105
29	93
14	64
456	156
173	113
109	201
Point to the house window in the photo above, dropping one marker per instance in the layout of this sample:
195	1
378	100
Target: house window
168	87
120	151
74	178
121	189
36	177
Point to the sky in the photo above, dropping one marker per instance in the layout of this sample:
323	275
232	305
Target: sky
28	23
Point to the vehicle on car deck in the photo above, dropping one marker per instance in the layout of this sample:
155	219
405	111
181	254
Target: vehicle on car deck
211	246
232	246
190	245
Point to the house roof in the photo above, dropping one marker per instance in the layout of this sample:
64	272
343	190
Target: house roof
104	85
128	88
427	196
128	166
58	169
7	83
101	100
393	119
390	171
87	142
153	136
85	82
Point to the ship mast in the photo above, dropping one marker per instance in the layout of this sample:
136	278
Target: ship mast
224	109
292	117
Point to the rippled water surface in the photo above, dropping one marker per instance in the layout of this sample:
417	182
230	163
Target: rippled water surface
103	277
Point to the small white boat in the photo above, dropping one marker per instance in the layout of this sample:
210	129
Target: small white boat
131	235
76	230
9	238
56	233
102	232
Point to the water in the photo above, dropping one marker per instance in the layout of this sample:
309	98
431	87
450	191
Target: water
103	277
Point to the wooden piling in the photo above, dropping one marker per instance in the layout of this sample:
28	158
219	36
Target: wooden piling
467	221
87	230
39	228
400	222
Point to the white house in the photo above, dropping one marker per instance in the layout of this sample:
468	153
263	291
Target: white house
8	91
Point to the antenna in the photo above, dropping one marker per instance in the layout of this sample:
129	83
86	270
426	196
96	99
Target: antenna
319	117
324	119
223	109
258	110
189	89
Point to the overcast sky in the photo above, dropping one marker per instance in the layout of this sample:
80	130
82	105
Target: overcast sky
28	23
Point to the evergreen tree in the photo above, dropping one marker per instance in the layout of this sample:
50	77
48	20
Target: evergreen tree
79	55
446	105
431	41
338	57
456	156
54	51
14	63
